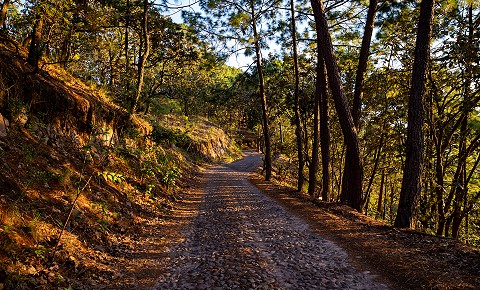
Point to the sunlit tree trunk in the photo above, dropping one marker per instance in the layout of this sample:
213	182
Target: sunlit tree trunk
143	56
411	183
3	12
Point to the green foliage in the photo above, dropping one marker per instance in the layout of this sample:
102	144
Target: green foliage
163	135
112	176
162	169
41	251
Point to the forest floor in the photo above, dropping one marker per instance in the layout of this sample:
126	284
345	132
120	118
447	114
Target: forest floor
221	240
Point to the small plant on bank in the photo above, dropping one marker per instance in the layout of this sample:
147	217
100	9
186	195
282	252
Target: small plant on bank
112	176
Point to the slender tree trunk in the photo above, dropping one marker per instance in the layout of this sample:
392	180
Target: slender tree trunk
65	49
126	44
440	184
312	183
143	57
352	188
362	63
378	154
263	96
359	86
324	133
3	12
35	50
298	121
380	195
462	193
411	183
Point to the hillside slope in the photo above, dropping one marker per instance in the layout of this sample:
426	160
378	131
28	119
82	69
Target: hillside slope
80	179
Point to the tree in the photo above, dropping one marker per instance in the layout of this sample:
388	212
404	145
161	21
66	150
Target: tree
142	55
313	170
230	22
362	63
411	183
263	96
298	121
35	49
3	12
352	185
324	130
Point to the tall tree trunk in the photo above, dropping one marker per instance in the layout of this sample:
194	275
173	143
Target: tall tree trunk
65	49
125	48
143	57
362	63
462	193
3	12
380	195
263	96
352	188
324	132
359	86
439	188
298	121
411	183
35	49
312	184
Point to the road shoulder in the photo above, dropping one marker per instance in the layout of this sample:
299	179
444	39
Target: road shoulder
402	259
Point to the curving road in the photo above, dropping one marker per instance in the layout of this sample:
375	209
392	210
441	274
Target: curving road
242	239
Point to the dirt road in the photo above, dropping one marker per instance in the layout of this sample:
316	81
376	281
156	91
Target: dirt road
242	239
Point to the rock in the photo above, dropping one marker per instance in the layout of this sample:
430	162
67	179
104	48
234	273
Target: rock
3	126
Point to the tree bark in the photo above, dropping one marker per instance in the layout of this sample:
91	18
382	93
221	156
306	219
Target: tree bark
35	50
324	133
380	195
298	121
352	188
313	170
362	63
143	56
378	154
126	44
3	12
411	183
359	86
263	96
462	194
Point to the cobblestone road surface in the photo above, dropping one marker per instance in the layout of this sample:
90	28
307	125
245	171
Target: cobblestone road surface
242	239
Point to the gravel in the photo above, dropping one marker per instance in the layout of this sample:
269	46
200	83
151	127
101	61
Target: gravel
242	239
